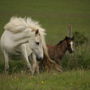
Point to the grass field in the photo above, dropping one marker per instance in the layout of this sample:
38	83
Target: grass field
53	15
74	80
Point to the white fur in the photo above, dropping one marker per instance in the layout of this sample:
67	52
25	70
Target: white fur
19	35
71	43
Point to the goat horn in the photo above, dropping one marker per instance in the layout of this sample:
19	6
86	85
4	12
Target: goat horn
69	28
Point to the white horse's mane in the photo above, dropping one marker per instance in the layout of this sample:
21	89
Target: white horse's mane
18	24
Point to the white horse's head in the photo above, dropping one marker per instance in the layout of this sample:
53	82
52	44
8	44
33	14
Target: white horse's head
36	45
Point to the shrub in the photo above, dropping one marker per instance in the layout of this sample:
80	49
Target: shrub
80	59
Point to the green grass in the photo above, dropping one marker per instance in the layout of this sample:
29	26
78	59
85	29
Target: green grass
73	80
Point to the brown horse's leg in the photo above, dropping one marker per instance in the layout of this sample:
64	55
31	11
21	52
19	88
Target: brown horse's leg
58	67
48	66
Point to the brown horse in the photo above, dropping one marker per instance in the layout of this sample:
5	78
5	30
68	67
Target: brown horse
57	52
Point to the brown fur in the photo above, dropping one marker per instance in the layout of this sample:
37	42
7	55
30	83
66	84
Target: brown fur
56	53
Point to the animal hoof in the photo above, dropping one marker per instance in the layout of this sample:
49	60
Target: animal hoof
6	71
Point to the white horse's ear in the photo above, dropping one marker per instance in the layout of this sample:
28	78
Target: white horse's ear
36	32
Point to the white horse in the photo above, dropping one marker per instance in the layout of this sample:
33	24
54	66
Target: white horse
26	37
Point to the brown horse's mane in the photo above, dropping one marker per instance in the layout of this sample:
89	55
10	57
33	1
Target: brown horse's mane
63	40
60	42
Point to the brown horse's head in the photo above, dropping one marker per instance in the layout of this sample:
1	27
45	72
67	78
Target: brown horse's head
69	41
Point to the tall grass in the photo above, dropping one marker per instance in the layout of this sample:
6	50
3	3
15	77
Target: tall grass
78	60
74	80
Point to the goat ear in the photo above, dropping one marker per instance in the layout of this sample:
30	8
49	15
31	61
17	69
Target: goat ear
66	37
37	31
73	38
69	29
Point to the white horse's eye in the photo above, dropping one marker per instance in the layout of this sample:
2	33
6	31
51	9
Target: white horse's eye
37	43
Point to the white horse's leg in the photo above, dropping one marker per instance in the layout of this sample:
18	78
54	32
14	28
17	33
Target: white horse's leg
35	66
6	60
25	54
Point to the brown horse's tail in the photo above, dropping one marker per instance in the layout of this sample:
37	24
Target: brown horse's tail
49	64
